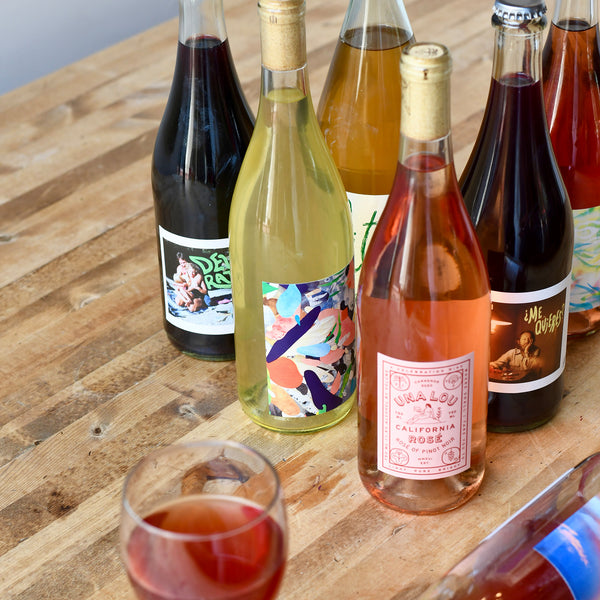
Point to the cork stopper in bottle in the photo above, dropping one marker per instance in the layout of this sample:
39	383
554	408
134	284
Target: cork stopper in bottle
283	38
425	71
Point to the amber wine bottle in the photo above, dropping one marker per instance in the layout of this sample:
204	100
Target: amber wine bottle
571	80
519	205
198	152
291	249
359	109
423	316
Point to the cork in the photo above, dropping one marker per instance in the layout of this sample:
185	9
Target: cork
282	33
425	72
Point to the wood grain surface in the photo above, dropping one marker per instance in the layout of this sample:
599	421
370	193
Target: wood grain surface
90	384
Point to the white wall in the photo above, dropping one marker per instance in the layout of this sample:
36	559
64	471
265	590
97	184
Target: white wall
40	36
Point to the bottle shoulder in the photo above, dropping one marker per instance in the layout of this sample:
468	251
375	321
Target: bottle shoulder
425	245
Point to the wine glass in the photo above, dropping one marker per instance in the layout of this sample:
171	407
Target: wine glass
204	520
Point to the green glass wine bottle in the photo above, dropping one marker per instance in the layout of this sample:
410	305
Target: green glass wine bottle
291	249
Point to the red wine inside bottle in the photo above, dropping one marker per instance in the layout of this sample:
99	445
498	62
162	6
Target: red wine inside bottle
199	149
518	204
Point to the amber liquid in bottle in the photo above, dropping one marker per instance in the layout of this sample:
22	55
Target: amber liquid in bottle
362	129
571	70
359	114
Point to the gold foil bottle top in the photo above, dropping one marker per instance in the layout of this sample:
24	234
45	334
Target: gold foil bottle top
282	33
425	70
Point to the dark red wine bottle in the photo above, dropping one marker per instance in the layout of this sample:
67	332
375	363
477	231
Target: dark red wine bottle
571	79
198	152
519	206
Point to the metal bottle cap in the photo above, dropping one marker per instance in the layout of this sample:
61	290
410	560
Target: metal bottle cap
519	10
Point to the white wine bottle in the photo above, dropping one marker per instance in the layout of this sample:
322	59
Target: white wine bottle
291	249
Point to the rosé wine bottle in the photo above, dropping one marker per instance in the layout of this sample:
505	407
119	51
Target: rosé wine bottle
423	316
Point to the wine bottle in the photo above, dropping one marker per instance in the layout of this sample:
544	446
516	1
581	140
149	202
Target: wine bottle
359	109
571	83
549	549
291	249
198	152
423	315
520	208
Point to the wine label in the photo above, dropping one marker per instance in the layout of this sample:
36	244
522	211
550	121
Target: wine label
424	416
366	210
573	549
196	278
309	333
585	284
529	338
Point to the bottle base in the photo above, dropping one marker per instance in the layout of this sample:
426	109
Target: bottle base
499	428
209	357
418	497
583	323
310	424
203	347
513	413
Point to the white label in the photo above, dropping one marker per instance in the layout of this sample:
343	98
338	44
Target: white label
196	278
366	210
528	338
424	416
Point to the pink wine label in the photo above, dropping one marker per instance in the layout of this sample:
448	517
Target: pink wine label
366	210
573	549
196	277
309	333
424	416
585	284
529	338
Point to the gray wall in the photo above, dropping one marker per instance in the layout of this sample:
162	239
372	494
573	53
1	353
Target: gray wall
40	36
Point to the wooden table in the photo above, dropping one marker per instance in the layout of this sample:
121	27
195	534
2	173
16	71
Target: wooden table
90	384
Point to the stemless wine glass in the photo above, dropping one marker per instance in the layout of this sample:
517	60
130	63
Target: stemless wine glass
204	520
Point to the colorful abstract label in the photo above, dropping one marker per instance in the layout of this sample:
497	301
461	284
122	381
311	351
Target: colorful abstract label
573	549
196	278
585	284
424	416
309	333
366	210
529	338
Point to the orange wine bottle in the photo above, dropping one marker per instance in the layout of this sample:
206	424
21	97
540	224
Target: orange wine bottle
359	108
423	316
571	82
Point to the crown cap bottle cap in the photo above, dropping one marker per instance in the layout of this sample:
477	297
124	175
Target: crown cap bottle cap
519	10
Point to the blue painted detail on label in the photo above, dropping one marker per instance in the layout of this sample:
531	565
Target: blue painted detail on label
573	548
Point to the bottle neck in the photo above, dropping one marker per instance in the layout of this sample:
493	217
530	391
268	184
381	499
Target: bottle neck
425	115
518	51
575	14
283	47
199	18
376	24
